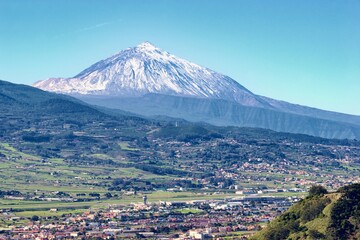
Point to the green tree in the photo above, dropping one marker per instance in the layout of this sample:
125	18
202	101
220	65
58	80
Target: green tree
313	234
108	195
317	190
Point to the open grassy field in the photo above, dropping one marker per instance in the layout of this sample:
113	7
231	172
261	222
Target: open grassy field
125	146
189	211
26	173
153	197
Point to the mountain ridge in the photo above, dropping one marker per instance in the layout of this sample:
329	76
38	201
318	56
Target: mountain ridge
136	72
20	99
225	113
147	69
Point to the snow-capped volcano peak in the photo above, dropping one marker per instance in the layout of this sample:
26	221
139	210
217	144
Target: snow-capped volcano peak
147	46
147	69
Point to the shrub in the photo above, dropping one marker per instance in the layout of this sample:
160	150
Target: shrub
317	190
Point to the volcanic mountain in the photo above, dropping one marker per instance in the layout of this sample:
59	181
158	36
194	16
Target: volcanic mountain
147	69
149	81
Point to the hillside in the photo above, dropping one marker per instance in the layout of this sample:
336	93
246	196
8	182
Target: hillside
17	99
47	140
147	69
149	81
54	147
226	113
321	215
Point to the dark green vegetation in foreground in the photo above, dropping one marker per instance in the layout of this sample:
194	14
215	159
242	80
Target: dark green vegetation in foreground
319	216
54	146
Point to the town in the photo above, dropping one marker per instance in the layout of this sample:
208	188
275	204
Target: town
236	217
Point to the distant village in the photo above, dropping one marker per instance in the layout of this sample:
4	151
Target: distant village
199	219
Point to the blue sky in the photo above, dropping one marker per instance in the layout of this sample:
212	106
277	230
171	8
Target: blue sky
305	52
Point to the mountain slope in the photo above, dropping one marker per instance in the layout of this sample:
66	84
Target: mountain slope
313	112
29	103
319	216
147	69
126	79
226	113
